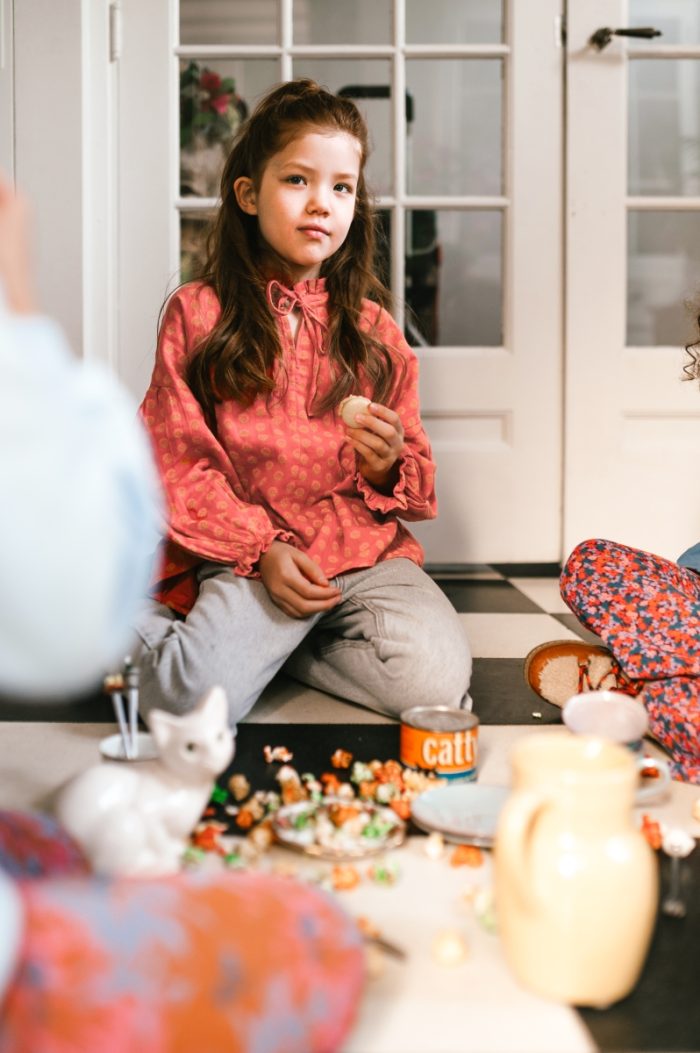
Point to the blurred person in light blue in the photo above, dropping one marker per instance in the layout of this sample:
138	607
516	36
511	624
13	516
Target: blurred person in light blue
79	497
79	506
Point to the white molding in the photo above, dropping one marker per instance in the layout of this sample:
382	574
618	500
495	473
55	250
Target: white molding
663	204
232	51
664	51
49	84
7	90
148	175
100	294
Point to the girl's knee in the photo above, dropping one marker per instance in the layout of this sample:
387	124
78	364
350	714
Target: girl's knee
426	678
171	683
585	555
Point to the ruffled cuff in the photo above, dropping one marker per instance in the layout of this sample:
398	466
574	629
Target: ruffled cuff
247	566
397	500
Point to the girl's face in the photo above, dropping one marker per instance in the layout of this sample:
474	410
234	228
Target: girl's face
306	199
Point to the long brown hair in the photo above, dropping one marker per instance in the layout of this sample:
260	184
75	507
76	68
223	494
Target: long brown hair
236	359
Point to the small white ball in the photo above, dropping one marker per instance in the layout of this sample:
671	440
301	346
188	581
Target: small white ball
351	406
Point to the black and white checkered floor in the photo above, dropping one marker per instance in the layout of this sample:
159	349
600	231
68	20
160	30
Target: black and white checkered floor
506	611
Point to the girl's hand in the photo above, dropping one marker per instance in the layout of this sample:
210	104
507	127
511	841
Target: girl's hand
379	444
295	583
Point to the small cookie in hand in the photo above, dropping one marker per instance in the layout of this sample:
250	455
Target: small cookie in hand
351	406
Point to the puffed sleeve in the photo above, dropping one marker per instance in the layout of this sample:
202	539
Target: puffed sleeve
207	515
413	496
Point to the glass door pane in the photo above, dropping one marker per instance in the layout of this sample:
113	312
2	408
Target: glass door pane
454	142
229	22
664	127
340	22
454	22
454	279
663	266
678	20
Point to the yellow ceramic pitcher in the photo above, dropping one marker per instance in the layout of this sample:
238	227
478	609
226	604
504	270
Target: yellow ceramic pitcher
576	882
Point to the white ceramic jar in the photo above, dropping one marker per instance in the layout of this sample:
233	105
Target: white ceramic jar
576	882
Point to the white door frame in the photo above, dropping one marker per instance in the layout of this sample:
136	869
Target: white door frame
7	90
632	426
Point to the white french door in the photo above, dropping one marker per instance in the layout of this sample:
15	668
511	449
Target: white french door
633	259
470	172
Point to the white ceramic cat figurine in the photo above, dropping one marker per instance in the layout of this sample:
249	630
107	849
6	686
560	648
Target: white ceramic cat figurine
135	817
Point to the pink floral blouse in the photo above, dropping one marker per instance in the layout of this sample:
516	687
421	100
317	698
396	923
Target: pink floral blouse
277	470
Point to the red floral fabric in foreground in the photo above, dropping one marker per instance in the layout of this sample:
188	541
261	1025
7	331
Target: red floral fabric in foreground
217	963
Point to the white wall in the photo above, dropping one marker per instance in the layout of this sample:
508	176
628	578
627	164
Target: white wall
147	177
48	149
7	92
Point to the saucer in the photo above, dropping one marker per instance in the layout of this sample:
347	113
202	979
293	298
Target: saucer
113	747
466	813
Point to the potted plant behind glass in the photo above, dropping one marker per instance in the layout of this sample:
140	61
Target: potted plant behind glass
210	115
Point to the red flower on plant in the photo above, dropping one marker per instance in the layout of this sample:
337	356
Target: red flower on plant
210	83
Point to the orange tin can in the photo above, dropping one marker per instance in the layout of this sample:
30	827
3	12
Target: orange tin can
441	740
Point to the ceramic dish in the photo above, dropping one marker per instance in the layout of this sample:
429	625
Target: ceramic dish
113	748
335	828
466	812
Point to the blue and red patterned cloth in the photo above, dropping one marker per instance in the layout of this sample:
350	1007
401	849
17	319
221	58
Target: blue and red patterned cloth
225	962
646	609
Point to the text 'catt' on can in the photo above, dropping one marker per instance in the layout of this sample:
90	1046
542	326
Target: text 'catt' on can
440	740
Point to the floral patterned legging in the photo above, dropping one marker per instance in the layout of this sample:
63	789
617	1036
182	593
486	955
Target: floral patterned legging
647	611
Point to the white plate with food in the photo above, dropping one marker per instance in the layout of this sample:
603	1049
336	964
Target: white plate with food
335	828
463	812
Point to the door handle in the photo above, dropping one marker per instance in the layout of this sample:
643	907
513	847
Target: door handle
602	37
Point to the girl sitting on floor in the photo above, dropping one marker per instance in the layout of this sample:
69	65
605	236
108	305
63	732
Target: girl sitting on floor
285	544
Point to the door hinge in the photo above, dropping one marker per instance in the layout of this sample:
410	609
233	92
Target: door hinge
115	31
560	31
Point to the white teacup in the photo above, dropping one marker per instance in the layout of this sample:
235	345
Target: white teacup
618	718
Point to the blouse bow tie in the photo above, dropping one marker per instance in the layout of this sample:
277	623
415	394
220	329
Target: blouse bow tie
283	301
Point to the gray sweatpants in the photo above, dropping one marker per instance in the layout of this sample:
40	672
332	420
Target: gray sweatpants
394	641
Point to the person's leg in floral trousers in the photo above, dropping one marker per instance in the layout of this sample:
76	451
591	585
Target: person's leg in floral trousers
647	611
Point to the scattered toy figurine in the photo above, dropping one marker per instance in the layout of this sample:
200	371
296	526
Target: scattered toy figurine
341	759
239	786
434	845
137	818
277	754
651	830
485	909
344	878
466	856
383	873
449	948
